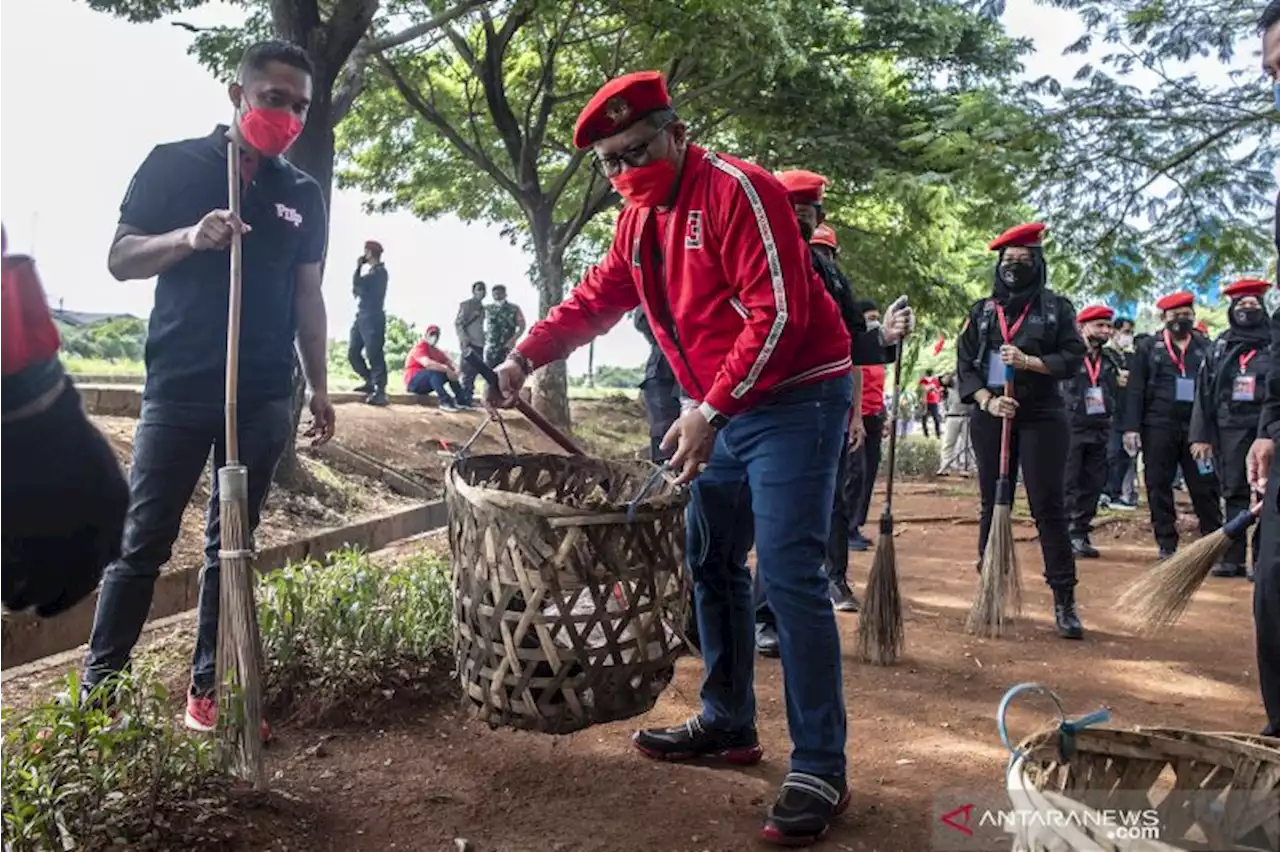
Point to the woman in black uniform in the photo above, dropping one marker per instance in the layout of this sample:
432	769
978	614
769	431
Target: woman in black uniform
1026	326
1231	388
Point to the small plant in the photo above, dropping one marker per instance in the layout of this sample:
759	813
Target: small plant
335	635
77	777
919	456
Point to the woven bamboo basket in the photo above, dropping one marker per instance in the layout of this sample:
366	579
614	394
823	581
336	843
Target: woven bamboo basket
1210	791
569	608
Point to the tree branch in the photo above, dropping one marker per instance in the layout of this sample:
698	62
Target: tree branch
693	94
295	20
409	34
433	117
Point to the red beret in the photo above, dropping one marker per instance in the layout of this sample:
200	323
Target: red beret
1180	299
1246	287
620	103
373	244
823	235
804	187
431	329
1095	312
1018	235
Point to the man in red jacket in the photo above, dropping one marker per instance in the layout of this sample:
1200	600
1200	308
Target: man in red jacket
709	247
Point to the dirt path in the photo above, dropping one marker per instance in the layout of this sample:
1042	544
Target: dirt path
917	729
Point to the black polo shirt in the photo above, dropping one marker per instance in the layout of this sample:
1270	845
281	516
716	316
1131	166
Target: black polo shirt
186	351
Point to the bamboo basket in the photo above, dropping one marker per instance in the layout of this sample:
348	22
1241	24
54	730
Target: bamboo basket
1211	791
569	608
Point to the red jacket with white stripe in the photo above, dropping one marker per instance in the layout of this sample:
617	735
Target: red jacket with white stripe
749	314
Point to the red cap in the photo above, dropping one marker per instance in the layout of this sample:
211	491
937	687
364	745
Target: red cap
27	333
620	103
804	187
823	235
1247	287
373	244
431	329
1018	235
1095	312
1180	299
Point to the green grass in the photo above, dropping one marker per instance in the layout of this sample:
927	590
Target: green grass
76	365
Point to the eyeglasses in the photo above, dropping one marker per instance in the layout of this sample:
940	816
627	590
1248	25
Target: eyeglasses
637	155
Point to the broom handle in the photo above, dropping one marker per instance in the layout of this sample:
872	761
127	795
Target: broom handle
1006	427
893	427
564	441
233	307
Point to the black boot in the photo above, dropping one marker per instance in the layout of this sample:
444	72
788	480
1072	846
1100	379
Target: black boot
1082	547
1064	614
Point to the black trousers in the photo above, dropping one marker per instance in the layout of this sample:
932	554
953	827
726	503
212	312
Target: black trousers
467	373
365	349
1165	449
1229	457
662	408
931	412
1085	477
863	467
1266	600
1036	447
1119	463
838	537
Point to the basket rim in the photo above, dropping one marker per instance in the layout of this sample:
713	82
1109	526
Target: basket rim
1180	741
475	494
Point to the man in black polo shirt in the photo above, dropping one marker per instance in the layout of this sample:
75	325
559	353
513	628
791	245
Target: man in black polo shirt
175	225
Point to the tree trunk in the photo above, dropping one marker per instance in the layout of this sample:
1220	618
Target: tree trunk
551	391
591	365
313	153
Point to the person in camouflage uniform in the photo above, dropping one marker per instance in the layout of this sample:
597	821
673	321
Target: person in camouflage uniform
504	323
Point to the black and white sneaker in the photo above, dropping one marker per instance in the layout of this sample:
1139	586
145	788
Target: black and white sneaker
695	741
842	597
804	809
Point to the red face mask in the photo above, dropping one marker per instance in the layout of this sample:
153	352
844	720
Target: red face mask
269	131
649	185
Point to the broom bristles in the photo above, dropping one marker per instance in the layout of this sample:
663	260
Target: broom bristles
1159	596
881	634
999	597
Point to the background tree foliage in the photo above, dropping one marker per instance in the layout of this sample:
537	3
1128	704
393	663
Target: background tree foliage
907	106
1159	175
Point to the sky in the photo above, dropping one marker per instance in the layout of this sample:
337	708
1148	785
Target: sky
69	145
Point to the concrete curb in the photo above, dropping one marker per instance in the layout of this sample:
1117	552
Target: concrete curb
125	400
24	637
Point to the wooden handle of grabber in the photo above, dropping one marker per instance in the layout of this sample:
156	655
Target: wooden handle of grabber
564	441
233	306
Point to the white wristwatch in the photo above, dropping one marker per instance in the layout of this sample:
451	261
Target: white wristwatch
715	418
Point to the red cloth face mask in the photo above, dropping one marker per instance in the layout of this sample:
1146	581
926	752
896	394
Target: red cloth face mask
27	331
649	185
269	131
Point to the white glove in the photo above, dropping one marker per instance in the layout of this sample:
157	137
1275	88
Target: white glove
899	321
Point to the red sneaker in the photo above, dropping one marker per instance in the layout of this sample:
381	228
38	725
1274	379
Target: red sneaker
202	715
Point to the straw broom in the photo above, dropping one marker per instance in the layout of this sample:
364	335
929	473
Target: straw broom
881	634
239	658
999	595
1159	596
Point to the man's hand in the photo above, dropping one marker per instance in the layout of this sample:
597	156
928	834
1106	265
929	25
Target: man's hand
693	439
857	433
1258	463
1132	443
511	378
1001	406
1122	378
215	230
1201	451
322	419
897	324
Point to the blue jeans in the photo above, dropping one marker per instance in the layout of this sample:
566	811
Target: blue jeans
434	380
772	477
170	449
